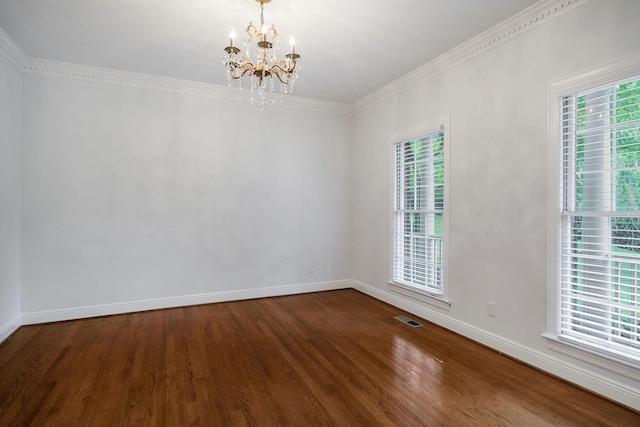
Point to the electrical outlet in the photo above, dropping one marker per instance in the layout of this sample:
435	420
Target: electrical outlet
492	309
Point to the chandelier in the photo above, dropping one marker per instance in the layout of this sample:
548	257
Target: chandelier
266	67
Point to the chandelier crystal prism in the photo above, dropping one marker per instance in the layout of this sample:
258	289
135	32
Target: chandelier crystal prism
265	67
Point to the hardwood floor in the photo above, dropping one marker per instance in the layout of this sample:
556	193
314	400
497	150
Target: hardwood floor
335	358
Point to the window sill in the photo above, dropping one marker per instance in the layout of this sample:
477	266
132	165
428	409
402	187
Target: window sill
626	368
423	296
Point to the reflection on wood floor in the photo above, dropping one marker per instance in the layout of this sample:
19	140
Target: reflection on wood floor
336	358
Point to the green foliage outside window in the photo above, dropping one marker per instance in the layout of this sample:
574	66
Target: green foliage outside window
625	163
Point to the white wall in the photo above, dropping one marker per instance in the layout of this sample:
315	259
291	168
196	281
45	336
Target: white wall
10	112
498	107
134	194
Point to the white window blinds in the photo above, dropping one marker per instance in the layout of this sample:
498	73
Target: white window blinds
418	213
599	304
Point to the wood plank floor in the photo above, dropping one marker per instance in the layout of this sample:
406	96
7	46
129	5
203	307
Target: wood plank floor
334	358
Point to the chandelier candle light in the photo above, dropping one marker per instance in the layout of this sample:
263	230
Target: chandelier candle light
266	66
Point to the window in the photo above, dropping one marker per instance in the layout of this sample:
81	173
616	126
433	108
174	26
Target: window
419	213
599	255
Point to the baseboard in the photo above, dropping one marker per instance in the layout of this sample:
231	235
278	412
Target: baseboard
178	301
611	389
606	387
8	328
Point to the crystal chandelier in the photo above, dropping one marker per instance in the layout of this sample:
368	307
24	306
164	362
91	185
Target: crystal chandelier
266	67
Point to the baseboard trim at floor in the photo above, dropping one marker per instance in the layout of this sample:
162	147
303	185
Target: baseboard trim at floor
575	374
177	301
607	387
8	328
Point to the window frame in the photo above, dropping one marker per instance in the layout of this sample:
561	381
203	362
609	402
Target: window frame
437	124
610	73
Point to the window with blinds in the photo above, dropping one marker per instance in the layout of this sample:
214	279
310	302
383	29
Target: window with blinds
418	213
599	306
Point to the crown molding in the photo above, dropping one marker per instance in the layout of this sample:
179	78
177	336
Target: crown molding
23	63
10	50
518	24
124	78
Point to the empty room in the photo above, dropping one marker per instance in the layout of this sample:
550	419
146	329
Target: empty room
305	212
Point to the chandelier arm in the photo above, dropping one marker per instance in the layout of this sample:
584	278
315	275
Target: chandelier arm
238	70
272	33
249	31
283	74
288	66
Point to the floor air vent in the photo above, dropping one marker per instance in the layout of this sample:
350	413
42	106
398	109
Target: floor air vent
410	322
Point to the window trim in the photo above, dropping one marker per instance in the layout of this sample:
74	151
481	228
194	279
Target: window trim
437	124
618	70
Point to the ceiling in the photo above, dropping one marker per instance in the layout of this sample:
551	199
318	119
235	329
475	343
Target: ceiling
349	48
